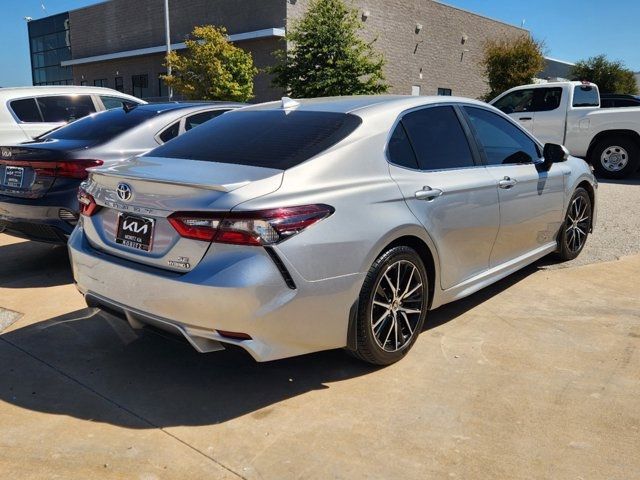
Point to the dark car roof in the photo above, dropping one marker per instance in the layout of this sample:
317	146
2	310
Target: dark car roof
619	96
169	106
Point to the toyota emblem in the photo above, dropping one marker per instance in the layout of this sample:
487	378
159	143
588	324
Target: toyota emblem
124	192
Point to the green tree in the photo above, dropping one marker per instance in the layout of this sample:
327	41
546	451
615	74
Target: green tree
611	76
212	68
510	63
327	56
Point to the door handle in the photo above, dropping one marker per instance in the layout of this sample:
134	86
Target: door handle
428	193
507	182
524	119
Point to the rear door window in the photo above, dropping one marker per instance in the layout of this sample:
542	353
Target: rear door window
400	151
65	108
115	102
263	138
585	96
502	142
170	132
26	110
438	138
546	99
199	118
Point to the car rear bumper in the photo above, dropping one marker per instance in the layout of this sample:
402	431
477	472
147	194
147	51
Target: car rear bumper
239	289
38	219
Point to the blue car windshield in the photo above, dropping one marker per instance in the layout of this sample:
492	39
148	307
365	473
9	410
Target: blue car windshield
102	126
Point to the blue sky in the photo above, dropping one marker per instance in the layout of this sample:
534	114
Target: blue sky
572	29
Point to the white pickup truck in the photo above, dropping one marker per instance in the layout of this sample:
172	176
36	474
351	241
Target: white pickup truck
569	113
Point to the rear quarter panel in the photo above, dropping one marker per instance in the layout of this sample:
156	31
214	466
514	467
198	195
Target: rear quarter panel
370	211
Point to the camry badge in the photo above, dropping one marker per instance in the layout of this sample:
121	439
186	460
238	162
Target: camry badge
124	192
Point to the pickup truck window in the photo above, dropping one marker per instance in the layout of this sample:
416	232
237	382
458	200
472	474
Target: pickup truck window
530	100
585	96
503	143
546	99
515	102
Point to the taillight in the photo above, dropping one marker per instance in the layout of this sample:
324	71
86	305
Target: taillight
88	205
64	168
76	168
264	227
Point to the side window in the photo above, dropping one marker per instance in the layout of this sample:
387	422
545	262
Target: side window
115	102
199	118
400	150
26	110
546	99
515	102
170	132
585	96
502	142
65	108
438	138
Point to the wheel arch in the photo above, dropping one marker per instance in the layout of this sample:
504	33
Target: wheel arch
423	250
428	258
631	134
592	196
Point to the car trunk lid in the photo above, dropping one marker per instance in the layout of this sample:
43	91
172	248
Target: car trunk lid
138	195
31	170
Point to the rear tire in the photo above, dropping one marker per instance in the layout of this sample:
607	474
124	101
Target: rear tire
576	226
615	157
392	306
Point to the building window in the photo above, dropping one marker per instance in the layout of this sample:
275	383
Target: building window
49	45
140	85
119	84
101	82
163	90
415	90
83	83
444	92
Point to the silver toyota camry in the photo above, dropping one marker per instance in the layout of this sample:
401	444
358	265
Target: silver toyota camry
297	226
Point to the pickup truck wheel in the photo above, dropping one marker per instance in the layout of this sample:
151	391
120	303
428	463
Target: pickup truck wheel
615	157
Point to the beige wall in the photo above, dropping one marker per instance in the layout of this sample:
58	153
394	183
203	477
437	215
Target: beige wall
437	51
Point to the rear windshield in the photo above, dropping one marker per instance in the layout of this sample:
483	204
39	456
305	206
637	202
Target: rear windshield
585	96
102	126
261	138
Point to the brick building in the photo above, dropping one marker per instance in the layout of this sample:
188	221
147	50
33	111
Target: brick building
429	47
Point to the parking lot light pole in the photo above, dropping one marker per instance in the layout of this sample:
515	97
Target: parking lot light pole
168	33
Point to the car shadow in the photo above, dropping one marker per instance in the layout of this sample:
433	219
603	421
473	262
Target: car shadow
150	380
631	180
34	264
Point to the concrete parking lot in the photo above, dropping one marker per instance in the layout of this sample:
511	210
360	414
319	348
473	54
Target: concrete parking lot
537	376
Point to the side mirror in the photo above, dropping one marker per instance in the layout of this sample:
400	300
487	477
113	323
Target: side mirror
554	153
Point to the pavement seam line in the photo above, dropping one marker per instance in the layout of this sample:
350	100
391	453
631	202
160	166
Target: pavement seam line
122	407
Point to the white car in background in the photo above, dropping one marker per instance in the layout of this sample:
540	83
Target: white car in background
27	112
569	113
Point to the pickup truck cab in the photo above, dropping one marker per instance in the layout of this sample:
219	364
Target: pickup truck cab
569	113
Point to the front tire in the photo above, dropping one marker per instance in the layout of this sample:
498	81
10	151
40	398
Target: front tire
392	306
615	157
576	226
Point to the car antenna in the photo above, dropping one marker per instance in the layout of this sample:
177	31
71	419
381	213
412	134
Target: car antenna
289	103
